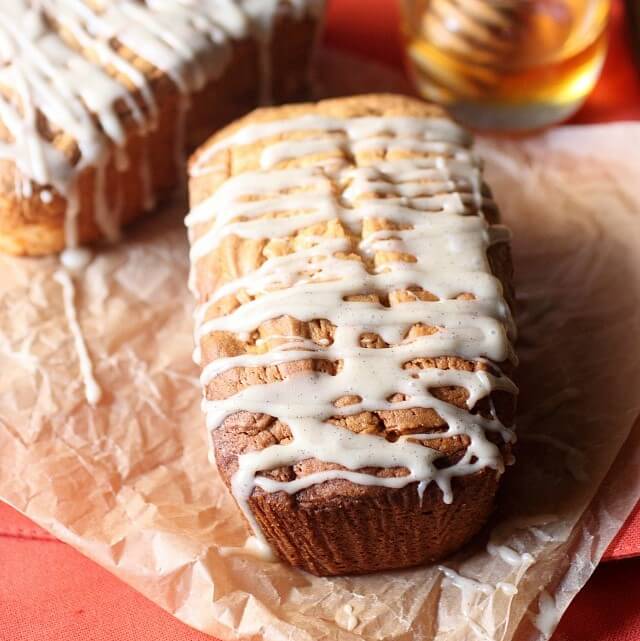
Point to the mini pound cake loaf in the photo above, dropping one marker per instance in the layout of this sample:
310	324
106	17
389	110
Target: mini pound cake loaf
354	330
100	98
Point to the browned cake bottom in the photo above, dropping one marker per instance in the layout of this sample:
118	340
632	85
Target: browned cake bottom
352	535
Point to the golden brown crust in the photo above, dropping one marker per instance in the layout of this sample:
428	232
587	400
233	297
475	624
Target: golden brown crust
29	226
337	526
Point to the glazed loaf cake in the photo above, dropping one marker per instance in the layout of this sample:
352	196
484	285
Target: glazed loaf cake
354	330
100	99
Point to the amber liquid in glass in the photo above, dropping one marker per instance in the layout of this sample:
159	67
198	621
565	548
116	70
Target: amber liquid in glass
506	64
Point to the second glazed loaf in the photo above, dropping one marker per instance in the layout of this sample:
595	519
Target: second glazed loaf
98	102
353	329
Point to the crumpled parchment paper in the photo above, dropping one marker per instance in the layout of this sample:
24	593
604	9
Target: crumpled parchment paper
128	483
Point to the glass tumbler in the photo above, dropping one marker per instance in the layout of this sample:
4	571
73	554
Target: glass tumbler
506	65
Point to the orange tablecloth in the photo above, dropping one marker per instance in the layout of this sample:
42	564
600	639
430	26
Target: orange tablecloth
49	592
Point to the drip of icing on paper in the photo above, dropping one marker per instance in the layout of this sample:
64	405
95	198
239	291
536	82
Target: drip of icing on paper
253	547
346	619
76	259
93	392
509	555
548	614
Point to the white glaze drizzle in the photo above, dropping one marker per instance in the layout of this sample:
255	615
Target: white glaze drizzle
509	555
253	547
471	591
93	392
346	619
470	588
75	258
547	616
449	243
41	65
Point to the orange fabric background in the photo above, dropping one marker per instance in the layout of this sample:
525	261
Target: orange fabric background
370	29
49	592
